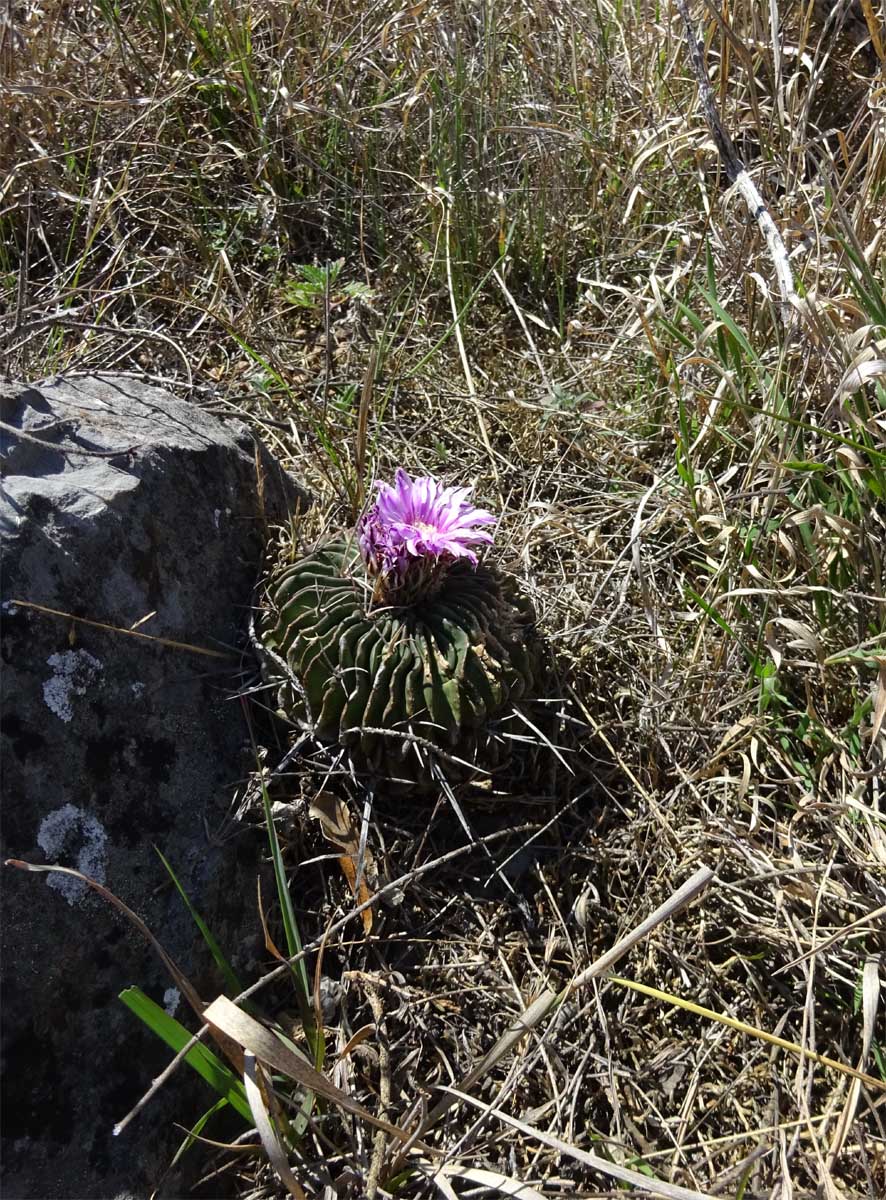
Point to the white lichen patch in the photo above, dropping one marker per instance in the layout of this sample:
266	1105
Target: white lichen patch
73	671
171	998
79	837
137	689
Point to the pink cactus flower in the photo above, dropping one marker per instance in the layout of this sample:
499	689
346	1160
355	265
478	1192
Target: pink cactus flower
415	530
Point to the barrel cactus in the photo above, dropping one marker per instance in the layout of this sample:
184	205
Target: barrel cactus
397	645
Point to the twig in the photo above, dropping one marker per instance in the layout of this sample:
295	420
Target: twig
867	919
146	637
655	1187
379	1142
499	279
542	1005
738	175
463	354
91	327
413	739
363	429
24	436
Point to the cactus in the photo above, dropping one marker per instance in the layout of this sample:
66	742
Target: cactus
404	666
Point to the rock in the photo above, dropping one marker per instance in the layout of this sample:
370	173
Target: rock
118	503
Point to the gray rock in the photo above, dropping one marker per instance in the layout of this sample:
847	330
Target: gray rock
112	745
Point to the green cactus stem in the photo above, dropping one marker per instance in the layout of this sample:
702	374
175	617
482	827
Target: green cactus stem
400	688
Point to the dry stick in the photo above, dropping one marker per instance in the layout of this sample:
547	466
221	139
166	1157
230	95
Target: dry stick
117	330
655	1187
463	354
540	1007
363	429
873	25
24	436
388	889
499	279
145	637
180	979
835	937
737	174
384	1091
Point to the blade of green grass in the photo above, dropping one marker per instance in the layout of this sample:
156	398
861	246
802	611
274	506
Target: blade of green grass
196	1129
290	926
303	990
200	1058
233	984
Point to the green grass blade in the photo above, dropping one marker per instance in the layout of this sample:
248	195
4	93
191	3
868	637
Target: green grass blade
200	1058
290	926
196	1129
303	991
711	611
233	985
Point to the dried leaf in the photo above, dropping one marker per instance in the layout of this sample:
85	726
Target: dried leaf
335	821
270	944
339	828
870	997
804	638
233	1023
349	870
879	703
859	374
494	1180
357	1039
445	1187
255	1084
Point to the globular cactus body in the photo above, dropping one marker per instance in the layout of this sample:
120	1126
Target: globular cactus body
400	686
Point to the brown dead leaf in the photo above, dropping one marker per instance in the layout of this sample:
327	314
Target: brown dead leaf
339	828
879	703
348	866
270	944
238	1026
335	821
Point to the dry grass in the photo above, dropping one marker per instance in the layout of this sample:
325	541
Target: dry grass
695	500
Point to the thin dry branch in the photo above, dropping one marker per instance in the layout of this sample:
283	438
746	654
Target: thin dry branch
738	174
654	1187
542	1005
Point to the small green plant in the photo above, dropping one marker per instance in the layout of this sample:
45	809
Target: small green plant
312	285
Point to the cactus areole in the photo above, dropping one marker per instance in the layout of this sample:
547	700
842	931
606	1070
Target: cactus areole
399	646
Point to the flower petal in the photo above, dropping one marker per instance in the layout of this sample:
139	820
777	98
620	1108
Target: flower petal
420	519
